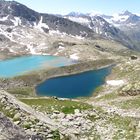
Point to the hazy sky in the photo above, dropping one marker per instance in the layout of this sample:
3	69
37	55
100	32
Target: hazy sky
84	6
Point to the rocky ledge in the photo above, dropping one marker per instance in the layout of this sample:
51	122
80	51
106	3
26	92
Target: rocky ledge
131	89
30	124
9	131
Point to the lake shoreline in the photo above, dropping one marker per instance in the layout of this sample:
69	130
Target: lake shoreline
73	86
31	80
17	66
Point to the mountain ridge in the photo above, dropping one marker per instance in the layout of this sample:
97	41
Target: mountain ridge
19	24
122	22
112	112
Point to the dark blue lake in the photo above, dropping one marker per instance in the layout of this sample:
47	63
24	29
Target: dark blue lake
78	85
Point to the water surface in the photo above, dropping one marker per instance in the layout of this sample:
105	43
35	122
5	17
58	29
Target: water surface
20	65
78	85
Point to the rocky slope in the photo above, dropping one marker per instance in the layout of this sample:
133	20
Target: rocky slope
101	26
35	125
9	130
114	110
25	31
129	23
112	114
123	27
14	14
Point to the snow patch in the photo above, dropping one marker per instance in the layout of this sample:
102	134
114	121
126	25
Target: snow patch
34	51
61	47
6	34
31	48
11	50
79	37
16	21
41	24
97	30
74	56
115	82
79	20
117	19
57	32
121	18
56	54
95	13
52	32
4	18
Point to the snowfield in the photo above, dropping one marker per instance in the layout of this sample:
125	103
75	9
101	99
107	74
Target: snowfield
74	56
115	82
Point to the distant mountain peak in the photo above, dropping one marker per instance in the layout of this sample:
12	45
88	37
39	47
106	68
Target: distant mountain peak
126	13
133	19
75	14
94	13
16	9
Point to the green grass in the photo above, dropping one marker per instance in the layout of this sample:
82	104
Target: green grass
98	116
9	113
24	91
109	96
49	105
125	127
56	135
129	71
129	104
99	89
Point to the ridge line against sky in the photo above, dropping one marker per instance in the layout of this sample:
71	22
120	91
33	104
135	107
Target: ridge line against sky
84	6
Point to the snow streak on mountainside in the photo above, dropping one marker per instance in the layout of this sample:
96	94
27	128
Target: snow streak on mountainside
129	23
99	25
124	27
24	31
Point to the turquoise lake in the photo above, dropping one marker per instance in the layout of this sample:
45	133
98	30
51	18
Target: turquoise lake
20	65
79	85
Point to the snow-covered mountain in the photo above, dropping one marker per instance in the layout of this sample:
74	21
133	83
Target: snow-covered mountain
13	14
96	23
123	27
99	24
122	19
129	23
23	30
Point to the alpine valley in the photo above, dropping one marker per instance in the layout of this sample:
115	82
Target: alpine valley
43	47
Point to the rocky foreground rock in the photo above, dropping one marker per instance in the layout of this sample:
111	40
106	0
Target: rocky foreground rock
27	123
113	116
131	89
31	125
9	131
